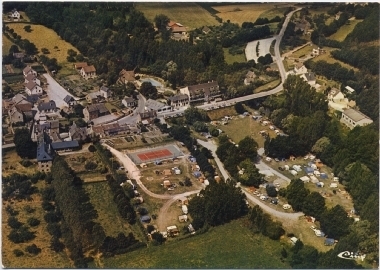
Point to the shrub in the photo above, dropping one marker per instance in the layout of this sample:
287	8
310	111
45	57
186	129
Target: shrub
33	222
29	209
92	148
14	223
11	211
90	165
18	253
54	230
21	235
56	245
51	217
47	206
33	249
26	163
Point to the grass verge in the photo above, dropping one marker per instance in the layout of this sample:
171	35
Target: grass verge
228	246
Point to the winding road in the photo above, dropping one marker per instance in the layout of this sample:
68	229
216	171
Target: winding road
134	172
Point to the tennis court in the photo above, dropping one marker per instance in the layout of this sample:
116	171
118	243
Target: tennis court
155	154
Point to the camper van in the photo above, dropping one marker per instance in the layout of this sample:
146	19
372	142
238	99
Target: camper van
184	209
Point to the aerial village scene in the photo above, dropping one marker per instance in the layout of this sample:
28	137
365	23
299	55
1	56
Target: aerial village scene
190	135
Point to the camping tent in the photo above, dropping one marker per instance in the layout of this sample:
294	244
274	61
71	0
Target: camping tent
333	185
145	218
286	167
324	176
320	184
305	179
314	179
329	242
293	172
309	170
197	174
317	173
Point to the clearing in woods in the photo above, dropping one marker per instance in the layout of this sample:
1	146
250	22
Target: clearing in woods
49	41
191	15
240	13
342	32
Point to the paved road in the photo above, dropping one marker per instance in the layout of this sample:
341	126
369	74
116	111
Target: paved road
278	214
132	118
55	91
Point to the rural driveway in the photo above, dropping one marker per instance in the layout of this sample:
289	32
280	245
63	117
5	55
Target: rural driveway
56	92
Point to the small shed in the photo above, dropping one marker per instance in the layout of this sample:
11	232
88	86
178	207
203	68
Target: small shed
145	219
167	184
329	242
197	174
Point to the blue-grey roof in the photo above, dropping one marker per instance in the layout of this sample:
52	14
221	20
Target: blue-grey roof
68	98
64	145
42	153
47	106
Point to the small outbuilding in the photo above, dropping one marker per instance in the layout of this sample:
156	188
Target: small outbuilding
294	240
329	242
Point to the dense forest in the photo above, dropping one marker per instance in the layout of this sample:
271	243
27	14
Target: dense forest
113	36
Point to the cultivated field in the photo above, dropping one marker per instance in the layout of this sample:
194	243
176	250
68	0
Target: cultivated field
44	37
188	14
240	13
6	45
342	33
228	246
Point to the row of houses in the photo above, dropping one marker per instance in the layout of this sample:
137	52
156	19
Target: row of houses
31	82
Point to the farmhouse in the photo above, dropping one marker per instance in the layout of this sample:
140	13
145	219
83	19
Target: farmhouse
69	100
47	107
77	133
94	111
105	92
32	78
88	72
249	77
127	76
299	69
110	129
129	102
206	30
15	15
179	100
32	88
309	77
202	92
353	118
20	113
29	70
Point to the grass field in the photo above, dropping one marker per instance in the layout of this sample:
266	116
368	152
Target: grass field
342	32
302	52
47	258
230	59
248	12
329	59
219	113
189	14
267	86
11	158
50	40
6	45
229	246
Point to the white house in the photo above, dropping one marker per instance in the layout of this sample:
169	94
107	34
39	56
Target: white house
29	70
353	118
32	88
309	77
15	15
32	78
335	96
299	69
179	100
88	72
129	102
105	92
153	105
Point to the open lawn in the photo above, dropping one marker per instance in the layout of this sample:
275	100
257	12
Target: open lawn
6	45
238	128
329	59
239	13
306	50
268	86
11	164
230	59
50	40
191	15
342	32
228	246
219	113
47	258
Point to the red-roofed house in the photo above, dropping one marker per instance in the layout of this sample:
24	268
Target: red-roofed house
88	72
32	88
